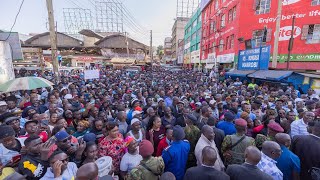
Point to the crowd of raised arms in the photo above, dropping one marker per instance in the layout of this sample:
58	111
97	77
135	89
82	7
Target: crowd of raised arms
158	124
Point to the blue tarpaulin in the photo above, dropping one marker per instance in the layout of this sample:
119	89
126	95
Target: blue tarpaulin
239	73
270	75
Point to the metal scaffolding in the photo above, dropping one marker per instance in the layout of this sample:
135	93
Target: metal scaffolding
76	19
109	16
185	8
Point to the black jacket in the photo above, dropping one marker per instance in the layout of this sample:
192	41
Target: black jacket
246	171
207	173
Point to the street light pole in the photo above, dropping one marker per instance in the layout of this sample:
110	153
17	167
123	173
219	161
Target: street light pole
291	42
276	39
53	40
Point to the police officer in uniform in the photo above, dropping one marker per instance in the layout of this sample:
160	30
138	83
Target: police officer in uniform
175	156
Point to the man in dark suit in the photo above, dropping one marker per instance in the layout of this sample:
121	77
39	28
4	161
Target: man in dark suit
206	170
307	148
249	169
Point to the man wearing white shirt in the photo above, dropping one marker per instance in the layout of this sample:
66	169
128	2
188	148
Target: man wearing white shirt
299	127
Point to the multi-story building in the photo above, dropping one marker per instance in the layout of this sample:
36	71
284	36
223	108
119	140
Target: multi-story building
167	46
227	24
177	34
192	37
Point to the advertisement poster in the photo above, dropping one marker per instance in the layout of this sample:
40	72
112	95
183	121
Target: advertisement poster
6	67
91	74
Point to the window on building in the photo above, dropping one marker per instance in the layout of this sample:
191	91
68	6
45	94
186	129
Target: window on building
203	49
257	37
232	41
216	4
223	1
221	44
315	2
194	23
194	36
230	16
223	21
213	49
197	46
311	33
262	6
227	43
234	11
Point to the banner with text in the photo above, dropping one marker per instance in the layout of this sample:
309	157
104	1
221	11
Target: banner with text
254	59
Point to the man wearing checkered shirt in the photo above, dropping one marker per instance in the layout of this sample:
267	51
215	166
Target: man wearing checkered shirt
270	151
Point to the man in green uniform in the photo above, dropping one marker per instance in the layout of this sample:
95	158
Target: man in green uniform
233	146
150	168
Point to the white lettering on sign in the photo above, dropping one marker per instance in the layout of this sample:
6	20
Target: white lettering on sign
283	17
285	33
314	13
288	2
250	64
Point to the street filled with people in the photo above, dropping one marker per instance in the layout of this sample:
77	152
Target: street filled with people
158	124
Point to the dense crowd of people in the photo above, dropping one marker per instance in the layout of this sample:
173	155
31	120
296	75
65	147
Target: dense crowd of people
159	125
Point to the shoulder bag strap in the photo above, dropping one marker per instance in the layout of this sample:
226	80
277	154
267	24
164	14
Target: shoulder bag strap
239	141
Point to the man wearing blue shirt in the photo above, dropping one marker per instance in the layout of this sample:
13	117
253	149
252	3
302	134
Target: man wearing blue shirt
175	156
288	162
227	125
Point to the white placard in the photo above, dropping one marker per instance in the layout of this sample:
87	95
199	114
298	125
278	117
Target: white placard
6	67
91	74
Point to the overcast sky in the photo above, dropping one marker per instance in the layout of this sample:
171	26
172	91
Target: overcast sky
157	15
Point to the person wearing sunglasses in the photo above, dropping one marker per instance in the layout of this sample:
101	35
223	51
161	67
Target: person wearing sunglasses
73	150
60	167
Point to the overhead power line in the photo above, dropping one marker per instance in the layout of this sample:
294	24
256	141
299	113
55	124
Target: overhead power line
15	20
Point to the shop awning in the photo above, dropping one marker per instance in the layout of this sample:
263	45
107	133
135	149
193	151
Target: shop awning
239	73
209	66
270	75
317	76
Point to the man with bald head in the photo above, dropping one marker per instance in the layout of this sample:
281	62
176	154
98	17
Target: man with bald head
88	171
270	151
288	162
206	170
207	139
249	169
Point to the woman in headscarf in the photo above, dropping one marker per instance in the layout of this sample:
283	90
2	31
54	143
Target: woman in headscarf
82	129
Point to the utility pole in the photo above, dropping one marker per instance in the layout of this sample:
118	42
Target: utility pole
53	40
127	43
276	39
151	49
291	42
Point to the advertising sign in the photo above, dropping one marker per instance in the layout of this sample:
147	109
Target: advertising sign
254	59
91	74
211	58
225	58
195	57
6	67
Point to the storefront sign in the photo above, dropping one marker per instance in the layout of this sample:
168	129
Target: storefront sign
6	67
225	58
254	59
186	58
298	57
195	57
211	58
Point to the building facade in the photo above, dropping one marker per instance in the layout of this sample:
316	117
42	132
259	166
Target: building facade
177	35
192	37
227	24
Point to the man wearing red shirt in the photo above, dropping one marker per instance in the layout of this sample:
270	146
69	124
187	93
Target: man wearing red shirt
165	142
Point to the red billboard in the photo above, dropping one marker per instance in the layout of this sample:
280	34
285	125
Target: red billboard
251	17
